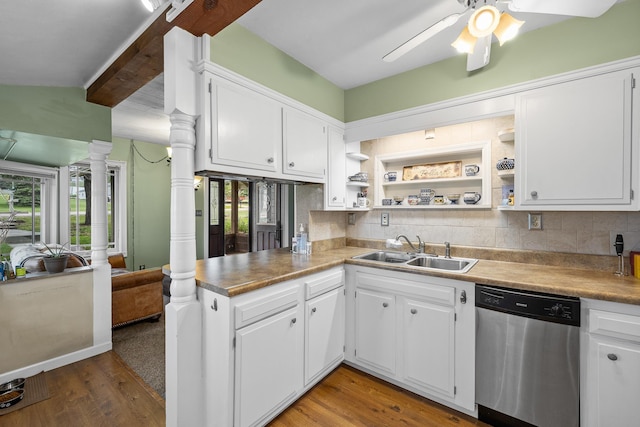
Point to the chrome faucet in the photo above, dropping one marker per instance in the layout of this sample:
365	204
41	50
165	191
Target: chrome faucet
447	250
421	245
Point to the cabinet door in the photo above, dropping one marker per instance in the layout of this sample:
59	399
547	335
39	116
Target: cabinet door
375	330
305	144
324	338
573	143
615	367
268	366
428	345
246	128
335	190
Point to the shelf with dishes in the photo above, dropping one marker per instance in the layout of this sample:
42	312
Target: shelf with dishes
435	178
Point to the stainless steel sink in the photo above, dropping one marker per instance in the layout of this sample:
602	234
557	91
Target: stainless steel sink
455	265
459	265
386	256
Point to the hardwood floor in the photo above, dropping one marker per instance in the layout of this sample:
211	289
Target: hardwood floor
104	391
100	391
348	397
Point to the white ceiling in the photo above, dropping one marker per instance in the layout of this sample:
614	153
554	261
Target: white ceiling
69	42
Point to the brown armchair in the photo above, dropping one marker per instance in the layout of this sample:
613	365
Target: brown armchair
135	295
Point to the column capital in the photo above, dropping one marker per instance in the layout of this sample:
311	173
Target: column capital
99	148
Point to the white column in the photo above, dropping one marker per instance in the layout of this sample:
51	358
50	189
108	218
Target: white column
183	316
98	152
183	325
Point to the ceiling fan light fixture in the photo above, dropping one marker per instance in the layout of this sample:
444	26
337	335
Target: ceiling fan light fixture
465	43
484	21
508	28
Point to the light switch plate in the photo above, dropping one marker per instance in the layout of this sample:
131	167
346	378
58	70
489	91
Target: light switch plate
384	219
535	221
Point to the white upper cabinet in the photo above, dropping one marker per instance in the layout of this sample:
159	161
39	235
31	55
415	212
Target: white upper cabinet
249	130
246	128
574	145
304	144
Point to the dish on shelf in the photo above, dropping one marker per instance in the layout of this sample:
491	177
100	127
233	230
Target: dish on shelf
506	164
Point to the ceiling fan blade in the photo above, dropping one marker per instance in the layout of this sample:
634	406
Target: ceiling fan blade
481	54
585	8
422	37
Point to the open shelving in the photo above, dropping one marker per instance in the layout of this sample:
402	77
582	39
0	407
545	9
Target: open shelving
478	153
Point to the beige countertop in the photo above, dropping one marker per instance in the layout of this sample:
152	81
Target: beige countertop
237	274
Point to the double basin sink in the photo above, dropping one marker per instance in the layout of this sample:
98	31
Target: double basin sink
424	261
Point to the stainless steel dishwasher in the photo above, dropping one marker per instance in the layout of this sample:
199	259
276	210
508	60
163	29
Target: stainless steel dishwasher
527	358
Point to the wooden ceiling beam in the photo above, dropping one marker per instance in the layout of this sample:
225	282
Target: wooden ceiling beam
143	60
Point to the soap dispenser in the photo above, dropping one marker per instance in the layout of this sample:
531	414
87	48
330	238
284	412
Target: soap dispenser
302	240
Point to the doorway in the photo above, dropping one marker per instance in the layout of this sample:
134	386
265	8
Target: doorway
268	226
247	216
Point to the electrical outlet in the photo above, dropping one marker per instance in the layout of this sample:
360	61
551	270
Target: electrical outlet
535	221
351	218
142	267
384	219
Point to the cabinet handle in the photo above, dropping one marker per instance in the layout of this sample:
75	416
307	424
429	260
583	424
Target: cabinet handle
335	198
463	297
385	304
534	194
414	311
291	164
293	321
612	356
313	310
270	160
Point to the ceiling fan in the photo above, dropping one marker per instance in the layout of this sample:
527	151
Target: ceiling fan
485	20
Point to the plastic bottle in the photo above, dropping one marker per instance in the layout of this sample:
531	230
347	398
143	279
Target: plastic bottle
510	198
302	240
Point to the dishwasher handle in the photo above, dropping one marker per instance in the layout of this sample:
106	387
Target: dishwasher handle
492	295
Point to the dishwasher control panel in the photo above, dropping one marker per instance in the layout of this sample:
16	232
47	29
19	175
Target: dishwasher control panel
552	308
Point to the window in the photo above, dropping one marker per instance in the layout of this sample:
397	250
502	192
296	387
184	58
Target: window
80	209
25	204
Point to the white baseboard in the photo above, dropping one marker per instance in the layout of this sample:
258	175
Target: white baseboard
56	362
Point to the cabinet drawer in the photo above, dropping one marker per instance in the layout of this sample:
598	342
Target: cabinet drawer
323	282
614	324
252	311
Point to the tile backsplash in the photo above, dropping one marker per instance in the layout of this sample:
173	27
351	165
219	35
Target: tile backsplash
570	232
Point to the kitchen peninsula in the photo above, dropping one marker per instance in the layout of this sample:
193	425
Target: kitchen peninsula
308	306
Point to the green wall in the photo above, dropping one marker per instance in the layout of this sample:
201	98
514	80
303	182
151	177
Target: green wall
148	202
239	50
569	45
55	111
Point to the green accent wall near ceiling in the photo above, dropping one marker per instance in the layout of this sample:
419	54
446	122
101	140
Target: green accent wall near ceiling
241	51
148	201
54	111
569	45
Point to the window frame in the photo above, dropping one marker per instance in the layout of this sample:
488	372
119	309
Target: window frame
49	227
120	215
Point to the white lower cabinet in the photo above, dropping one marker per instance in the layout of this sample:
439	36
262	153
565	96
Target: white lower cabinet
611	364
264	349
324	337
428	349
268	366
415	331
375	325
